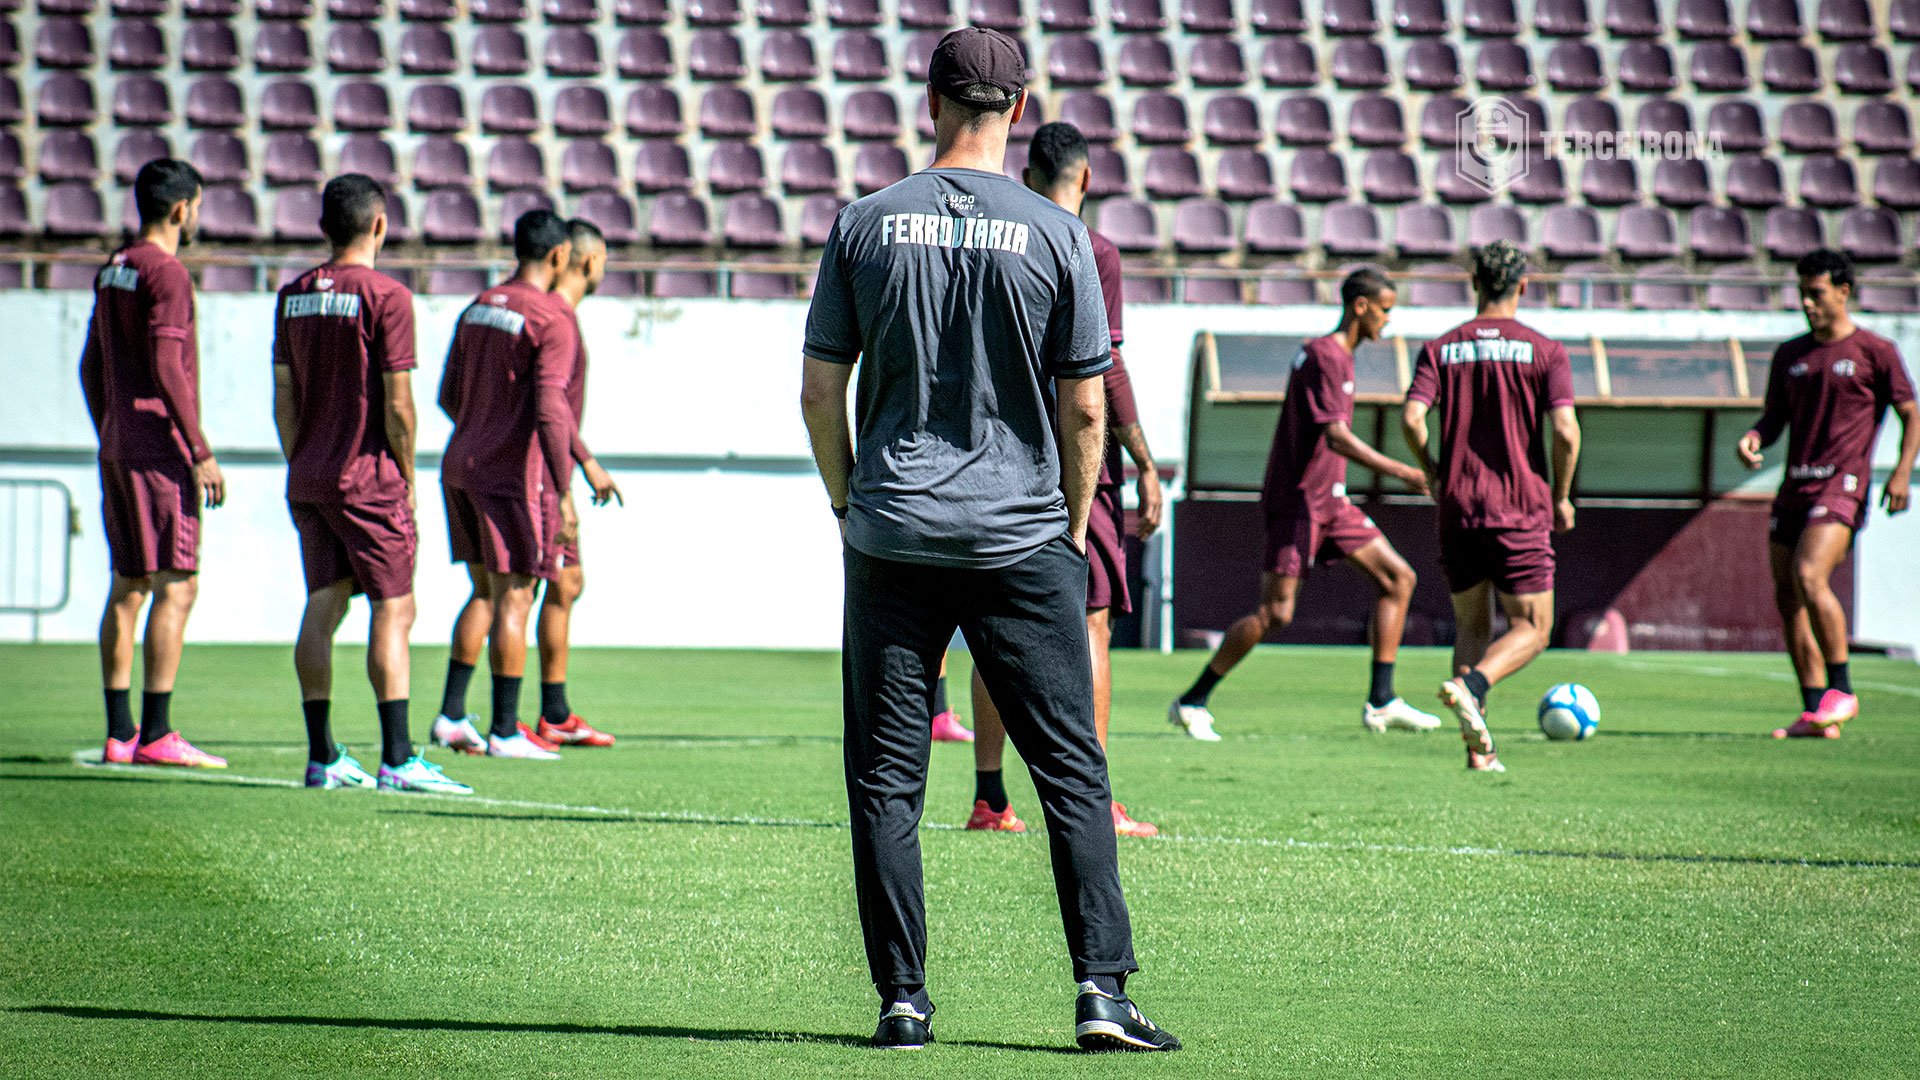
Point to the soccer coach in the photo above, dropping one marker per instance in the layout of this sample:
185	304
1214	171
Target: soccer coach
974	309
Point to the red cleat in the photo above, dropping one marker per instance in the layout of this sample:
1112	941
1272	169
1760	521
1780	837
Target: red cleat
535	738
1807	728
1124	825
118	751
985	820
573	732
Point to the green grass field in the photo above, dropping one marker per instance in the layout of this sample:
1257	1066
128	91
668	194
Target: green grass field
1682	896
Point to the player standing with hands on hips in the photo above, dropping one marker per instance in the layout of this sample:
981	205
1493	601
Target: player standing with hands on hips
974	312
1830	387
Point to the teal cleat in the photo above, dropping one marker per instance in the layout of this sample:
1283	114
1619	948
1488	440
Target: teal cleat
344	772
420	776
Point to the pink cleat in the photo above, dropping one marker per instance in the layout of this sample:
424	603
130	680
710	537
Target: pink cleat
119	751
1806	728
174	750
985	820
1125	825
947	728
1835	708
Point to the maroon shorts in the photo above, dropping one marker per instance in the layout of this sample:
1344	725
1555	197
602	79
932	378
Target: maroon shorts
152	518
1793	513
1107	553
371	541
1304	537
1518	561
506	534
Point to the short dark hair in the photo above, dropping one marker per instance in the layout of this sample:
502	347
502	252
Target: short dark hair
1367	282
537	233
1056	149
584	234
1834	264
1497	270
348	206
973	114
161	183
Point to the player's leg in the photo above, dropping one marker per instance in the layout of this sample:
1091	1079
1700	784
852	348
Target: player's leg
1277	594
469	640
119	629
558	724
174	592
946	723
992	811
1822	548
507	655
455	726
329	766
897	626
1100	646
1395	580
1465	693
1802	647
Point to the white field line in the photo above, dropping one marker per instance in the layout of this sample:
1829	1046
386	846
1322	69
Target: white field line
89	758
1771	676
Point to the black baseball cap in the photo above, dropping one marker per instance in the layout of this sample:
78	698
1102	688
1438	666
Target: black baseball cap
976	56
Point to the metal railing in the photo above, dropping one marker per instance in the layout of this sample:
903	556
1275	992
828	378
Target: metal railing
37	527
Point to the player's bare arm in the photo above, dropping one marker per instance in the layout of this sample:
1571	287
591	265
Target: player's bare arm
286	414
823	404
1413	425
1896	496
1341	440
1566	455
601	481
1083	437
1133	439
93	376
401	423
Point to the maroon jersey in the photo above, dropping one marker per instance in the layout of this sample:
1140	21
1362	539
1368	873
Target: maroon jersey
1121	407
1832	396
337	329
141	368
505	387
1491	382
1303	472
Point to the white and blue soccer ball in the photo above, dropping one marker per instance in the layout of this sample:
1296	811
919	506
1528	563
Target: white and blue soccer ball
1569	712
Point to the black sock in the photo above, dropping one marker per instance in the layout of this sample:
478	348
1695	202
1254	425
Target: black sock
553	702
989	787
153	716
1810	697
940	696
1382	690
1203	686
1114	986
120	725
453	703
1477	683
915	995
395	746
320	746
1838	679
506	706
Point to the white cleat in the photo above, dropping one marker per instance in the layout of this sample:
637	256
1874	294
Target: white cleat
1473	727
1397	714
458	734
1195	720
518	747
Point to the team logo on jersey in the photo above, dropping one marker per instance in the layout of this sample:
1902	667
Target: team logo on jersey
118	276
1843	368
323	284
498	298
1347	387
962	203
1818	511
1849	483
1799	369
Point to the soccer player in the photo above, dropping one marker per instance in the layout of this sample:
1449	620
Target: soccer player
1502	394
140	373
973	310
343	405
1057	167
505	387
1831	388
558	724
1311	520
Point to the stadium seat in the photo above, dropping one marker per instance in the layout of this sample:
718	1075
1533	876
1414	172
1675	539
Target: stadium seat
220	157
1502	66
451	216
436	108
654	111
588	165
1202	227
1609	182
870	114
1871	234
214	102
1388	177
1903	20
1440	120
427	50
1139	16
860	58
817	215
1882	127
1074	60
1317	175
1228	120
1889	291
1571	232
783	12
1896	183
456	281
1195	289
1376	120
876	166
355	48
1006	16
1809	127
515	205
582	110
661	166
1304	120
1490	19
1703	20
1863	68
1455	187
644	53
72	210
787	56
1681	183
572	52
809	168
752	221
683	283
1350	230
571	11
1741	288
1217	61
1277	16
211	9
1431	65
1067	16
1243	174
1542	181
65	154
441	162
124	8
1774	19
1913	70
1736	124
1439	285
209	46
1646	232
1492	222
1423	231
1718	67
137	147
1719	233
1845	20
1655	288
917	53
292	158
1171	173
678	220
1160	118
1092	114
713	12
1574	67
63	43
1562	18
726	112
362	106
612	213
1828	182
1288	63
1792	231
1208	16
735	166
228	213
1359	64
281	47
1754	183
372	156
713	55
139	101
1130	224
282	9
1646	67
1146	62
1790	68
1343	17
222	278
798	112
290	105
1283	289
1420	18
428	10
134	45
296	215
499	50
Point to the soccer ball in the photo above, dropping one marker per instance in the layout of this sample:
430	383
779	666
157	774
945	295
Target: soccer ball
1569	711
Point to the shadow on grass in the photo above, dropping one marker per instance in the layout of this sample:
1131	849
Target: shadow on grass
506	1027
623	819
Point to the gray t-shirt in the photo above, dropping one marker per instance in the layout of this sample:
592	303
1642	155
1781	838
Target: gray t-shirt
968	295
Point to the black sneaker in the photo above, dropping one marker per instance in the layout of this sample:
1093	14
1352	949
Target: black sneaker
902	1027
1110	1023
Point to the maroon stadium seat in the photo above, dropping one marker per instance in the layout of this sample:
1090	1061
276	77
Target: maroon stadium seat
1171	173
1304	120
499	50
1632	18
713	12
281	47
1491	19
1753	182
1389	176
1092	114
1575	67
1243	174
816	218
860	58
70	210
516	204
1890	291
430	11
1110	176
135	45
571	11
644	53
282	9
1276	16
362	106
572	51
1423	231
1845	20
214	102
1646	232
1541	181
1317	175
427	50
1074	60
1646	67
926	14
63	43
296	215
1903	19
1349	17
1774	19
752	221
735	166
451	216
1737	125
370	155
1503	65
870	114
582	110
860	13
1003	15
358	10
1871	234
1792	231
787	56
1350	230
876	166
228	213
1719	233
1703	20
1828	182
1208	16
436	108
1160	118
1359	64
516	164
1562	18
1130	224
355	48
136	148
654	110
1288	62
1275	228
679	220
1217	61
209	46
440	162
1896	183
221	158
1809	127
783	12
660	166
1571	232
290	105
1789	67
1882	127
1432	65
1420	18
1863	68
1718	67
1376	120
139	100
1139	16
712	55
65	154
1494	222
506	11
726	112
612	213
800	112
809	168
1681	183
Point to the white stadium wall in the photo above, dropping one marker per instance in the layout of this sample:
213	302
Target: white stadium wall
725	539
